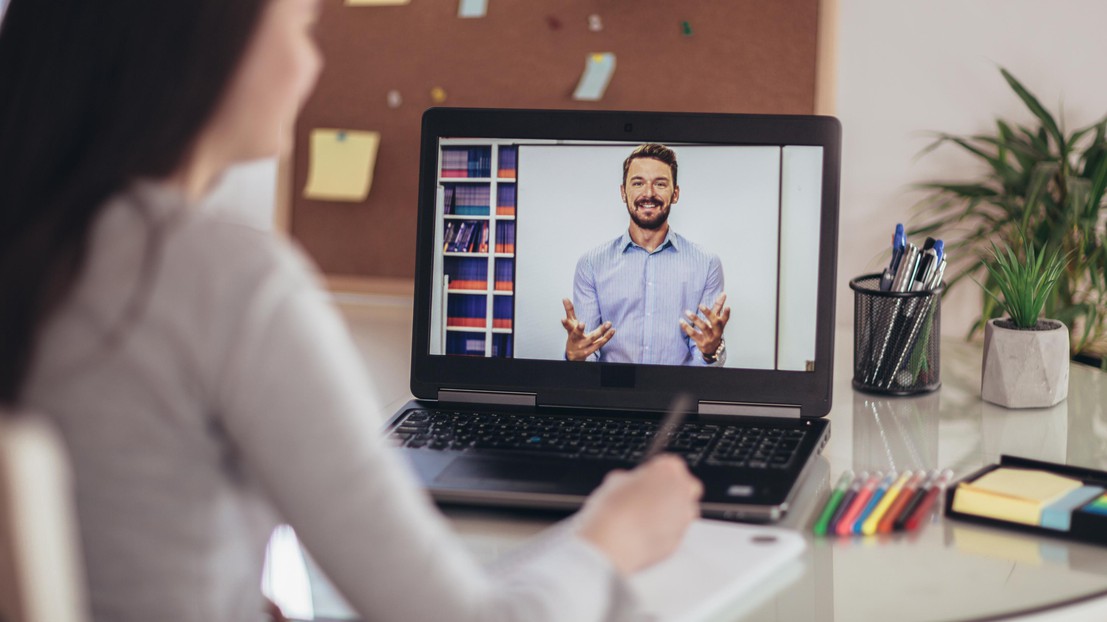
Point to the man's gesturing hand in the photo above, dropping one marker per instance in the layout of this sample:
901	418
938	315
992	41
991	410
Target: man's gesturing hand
707	331
580	345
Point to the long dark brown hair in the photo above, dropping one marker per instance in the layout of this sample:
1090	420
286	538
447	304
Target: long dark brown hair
93	95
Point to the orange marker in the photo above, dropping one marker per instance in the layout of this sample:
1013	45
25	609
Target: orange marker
901	501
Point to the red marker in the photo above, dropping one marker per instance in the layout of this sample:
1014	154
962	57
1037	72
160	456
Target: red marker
901	501
845	526
927	503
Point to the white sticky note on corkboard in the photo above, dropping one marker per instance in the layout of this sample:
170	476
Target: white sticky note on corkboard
598	69
472	8
341	165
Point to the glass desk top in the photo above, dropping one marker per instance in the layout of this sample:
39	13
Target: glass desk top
947	570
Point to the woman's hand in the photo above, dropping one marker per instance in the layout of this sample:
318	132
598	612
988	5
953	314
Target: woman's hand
638	518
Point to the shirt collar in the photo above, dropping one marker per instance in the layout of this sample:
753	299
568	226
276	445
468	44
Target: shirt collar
671	239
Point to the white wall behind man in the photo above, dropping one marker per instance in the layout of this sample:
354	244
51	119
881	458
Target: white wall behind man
910	67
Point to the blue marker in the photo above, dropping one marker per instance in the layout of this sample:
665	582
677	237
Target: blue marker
878	494
940	248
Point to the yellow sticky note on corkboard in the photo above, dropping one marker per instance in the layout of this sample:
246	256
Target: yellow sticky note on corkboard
376	2
341	166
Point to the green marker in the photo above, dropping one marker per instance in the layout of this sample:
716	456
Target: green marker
832	504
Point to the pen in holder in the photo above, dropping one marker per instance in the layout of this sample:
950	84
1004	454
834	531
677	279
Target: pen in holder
895	338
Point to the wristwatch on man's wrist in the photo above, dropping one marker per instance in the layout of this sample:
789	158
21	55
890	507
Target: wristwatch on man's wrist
719	355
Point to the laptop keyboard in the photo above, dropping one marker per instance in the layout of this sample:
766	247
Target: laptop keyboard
733	445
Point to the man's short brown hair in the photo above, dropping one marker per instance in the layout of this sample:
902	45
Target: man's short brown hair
655	152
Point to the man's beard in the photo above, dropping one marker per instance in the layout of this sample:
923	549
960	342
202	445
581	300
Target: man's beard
652	223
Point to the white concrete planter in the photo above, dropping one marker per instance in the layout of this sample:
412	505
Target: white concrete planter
1025	368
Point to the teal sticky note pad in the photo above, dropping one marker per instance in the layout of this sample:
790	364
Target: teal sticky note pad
1058	515
1099	506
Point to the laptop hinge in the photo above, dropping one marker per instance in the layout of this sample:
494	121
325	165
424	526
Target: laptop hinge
488	397
737	409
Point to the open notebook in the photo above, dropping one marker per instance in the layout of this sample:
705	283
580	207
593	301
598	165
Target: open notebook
716	569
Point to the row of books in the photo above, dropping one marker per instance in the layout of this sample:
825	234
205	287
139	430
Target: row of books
467	162
471	311
505	274
505	237
503	311
467	310
467	199
472	344
472	273
503	345
467	272
465	236
508	156
505	200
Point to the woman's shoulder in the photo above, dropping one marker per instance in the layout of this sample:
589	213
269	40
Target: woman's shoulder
194	248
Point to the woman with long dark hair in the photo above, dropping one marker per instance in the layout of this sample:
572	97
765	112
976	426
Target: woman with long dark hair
204	388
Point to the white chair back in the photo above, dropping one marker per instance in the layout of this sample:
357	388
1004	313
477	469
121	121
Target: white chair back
41	573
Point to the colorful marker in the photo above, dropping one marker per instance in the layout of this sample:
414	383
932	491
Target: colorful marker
927	503
904	497
913	503
877	495
845	526
847	501
832	503
871	523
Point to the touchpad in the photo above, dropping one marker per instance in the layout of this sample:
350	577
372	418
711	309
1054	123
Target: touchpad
503	473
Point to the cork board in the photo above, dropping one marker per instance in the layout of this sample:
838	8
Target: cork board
746	56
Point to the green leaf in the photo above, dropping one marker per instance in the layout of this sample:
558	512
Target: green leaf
1025	283
1035	107
1078	195
963	190
1098	178
1039	181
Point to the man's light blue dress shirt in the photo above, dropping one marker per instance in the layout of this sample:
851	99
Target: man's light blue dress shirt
644	295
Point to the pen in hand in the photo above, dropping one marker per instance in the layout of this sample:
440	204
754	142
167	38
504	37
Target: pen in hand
678	410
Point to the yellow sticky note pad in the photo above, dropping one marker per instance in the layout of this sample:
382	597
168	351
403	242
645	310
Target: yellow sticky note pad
1039	486
376	2
341	167
1014	495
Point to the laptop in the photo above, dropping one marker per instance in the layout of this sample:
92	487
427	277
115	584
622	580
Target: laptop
523	213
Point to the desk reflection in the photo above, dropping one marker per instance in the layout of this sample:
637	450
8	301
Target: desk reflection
895	433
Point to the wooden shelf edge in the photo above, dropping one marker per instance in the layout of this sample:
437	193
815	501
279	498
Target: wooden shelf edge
826	58
353	284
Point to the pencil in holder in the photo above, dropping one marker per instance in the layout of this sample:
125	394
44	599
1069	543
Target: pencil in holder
895	338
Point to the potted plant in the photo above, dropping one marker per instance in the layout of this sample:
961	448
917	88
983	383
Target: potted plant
1026	357
1042	182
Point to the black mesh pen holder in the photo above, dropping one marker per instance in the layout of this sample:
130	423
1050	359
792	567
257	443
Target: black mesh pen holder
895	338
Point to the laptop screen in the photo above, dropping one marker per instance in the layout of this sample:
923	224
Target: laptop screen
589	251
528	224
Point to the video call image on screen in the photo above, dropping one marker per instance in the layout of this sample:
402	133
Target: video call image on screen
522	225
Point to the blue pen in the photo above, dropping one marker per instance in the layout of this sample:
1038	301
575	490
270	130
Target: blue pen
940	248
899	244
875	499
